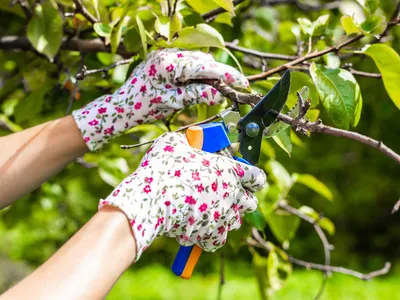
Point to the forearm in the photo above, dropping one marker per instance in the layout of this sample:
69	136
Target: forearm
87	266
30	157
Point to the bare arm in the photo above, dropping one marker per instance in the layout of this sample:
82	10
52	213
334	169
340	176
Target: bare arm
87	266
30	157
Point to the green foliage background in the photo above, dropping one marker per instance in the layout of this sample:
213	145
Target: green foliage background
362	182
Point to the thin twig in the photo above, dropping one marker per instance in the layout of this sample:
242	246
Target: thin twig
83	10
303	6
350	69
84	72
212	14
221	276
396	207
312	55
260	54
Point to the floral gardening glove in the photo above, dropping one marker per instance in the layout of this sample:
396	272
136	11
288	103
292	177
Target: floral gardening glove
185	193
153	91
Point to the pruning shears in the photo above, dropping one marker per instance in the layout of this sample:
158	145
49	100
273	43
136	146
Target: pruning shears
216	137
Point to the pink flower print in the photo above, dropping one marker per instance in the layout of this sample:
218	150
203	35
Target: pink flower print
152	70
168	86
179	55
203	68
160	116
163	192
167	203
116	192
104	202
198	238
109	130
214	186
170	68
200	188
139	227
121	93
206	163
102	110
176	225
138	105
147	189
192	155
159	221
185	160
86	139
119	109
145	163
139	121
203	207
94	122
143	88
195	176
179	91
85	112
184	237
133	222
108	99
221	230
229	78
225	195
224	185
190	200
191	220
145	247
218	172
150	149
177	173
156	100
204	94
213	91
134	80
212	102
168	148
148	180
216	216
153	112
235	207
239	171
174	211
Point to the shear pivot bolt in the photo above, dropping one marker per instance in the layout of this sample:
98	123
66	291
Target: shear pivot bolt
252	129
231	127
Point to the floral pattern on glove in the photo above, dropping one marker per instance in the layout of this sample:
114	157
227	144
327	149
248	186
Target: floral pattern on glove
187	194
154	90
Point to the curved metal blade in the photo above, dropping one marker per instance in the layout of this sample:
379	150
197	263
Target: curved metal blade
263	114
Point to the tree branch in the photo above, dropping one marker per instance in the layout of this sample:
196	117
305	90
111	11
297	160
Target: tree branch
313	55
82	9
302	5
259	54
212	14
84	72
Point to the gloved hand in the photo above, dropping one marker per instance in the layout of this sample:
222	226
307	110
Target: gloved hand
153	91
185	193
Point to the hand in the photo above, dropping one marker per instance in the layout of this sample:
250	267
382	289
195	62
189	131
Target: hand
153	91
185	193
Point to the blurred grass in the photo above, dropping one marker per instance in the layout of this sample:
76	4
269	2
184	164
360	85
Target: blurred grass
156	282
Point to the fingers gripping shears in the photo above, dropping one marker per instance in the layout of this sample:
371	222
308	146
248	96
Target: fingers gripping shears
216	137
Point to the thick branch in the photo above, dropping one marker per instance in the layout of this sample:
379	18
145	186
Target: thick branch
82	9
75	44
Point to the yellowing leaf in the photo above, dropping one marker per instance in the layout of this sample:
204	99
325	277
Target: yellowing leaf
142	32
225	4
388	62
323	222
282	138
349	25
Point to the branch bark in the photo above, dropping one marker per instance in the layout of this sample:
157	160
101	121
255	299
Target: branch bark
302	5
83	10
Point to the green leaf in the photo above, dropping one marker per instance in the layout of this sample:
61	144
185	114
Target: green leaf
175	25
117	33
45	30
315	28
224	18
323	222
282	138
256	219
143	37
225	4
279	269
371	5
161	25
260	267
30	106
202	6
279	174
113	170
299	80
374	25
340	94
349	25
313	183
388	62
199	36
102	29
131	39
283	225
